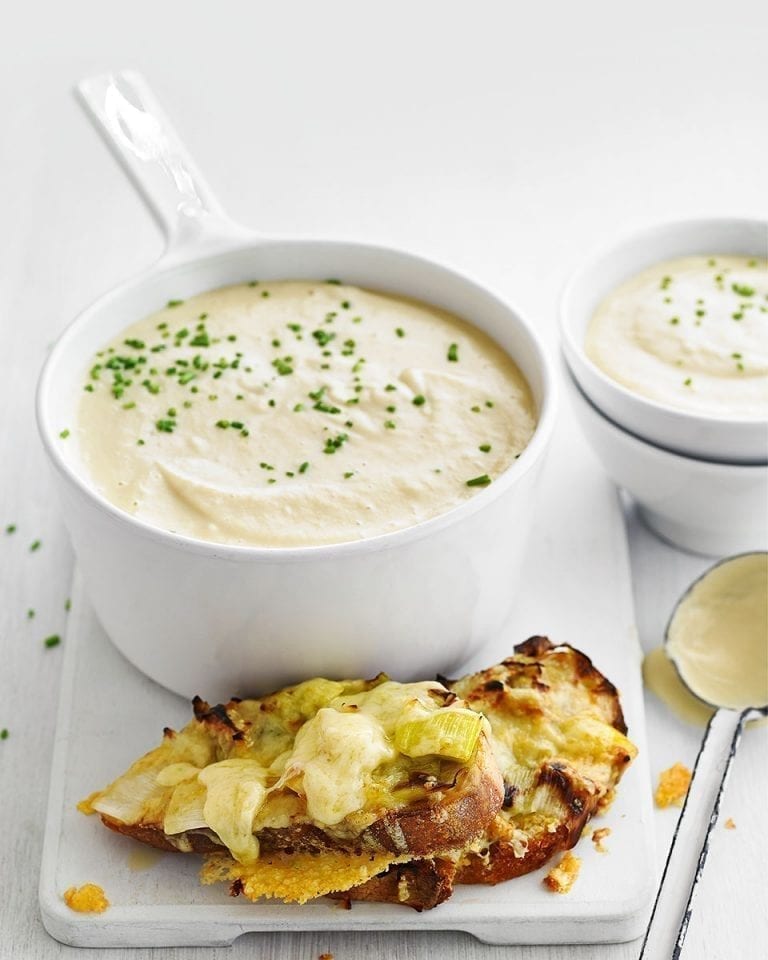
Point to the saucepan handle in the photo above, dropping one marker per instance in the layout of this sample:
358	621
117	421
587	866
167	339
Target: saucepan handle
135	127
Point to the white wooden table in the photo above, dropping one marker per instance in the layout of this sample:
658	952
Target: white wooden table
505	140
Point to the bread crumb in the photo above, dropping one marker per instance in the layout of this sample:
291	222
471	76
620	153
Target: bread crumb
89	898
673	785
729	824
562	877
325	956
598	836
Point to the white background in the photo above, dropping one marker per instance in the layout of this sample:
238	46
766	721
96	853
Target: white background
506	139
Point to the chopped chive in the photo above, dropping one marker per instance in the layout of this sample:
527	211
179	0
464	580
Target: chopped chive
304	467
10	528
298	408
174	303
665	282
282	365
64	434
222	424
481	481
4	733
67	605
391	409
165	426
30	614
489	404
345	304
390	387
389	424
485	447
743	290
674	321
135	344
418	400
334	280
348	474
265	293
323	337
53	641
129	406
687	382
453	353
399	331
35	545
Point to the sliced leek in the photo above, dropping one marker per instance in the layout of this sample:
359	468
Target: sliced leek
447	733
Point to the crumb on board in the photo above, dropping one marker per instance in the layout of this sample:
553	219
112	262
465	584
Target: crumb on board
562	877
598	836
729	824
89	898
325	956
673	785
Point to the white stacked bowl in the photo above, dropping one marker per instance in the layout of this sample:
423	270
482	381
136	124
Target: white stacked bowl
700	481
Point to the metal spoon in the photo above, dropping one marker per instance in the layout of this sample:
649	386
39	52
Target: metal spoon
690	845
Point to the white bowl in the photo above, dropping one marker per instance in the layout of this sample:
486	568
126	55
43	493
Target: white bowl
702	506
709	437
220	620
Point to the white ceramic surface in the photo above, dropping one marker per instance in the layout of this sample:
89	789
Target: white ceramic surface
206	618
709	508
712	438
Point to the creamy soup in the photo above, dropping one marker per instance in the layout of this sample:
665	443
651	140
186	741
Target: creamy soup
690	333
718	636
299	413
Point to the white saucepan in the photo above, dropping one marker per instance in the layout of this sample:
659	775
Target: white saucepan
220	620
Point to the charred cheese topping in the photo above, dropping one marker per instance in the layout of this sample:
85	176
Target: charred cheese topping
298	413
689	333
323	752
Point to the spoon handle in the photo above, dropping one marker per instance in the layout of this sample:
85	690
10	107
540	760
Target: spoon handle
690	844
128	116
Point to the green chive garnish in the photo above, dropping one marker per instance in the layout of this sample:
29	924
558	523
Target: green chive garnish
481	481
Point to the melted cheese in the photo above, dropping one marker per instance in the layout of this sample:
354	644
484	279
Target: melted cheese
334	756
297	414
235	791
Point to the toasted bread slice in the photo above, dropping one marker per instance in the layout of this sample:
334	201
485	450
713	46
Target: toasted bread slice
558	733
360	769
560	741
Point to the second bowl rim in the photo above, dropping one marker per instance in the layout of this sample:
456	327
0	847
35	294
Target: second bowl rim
715	465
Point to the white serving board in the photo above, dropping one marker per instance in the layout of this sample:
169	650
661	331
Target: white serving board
575	588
